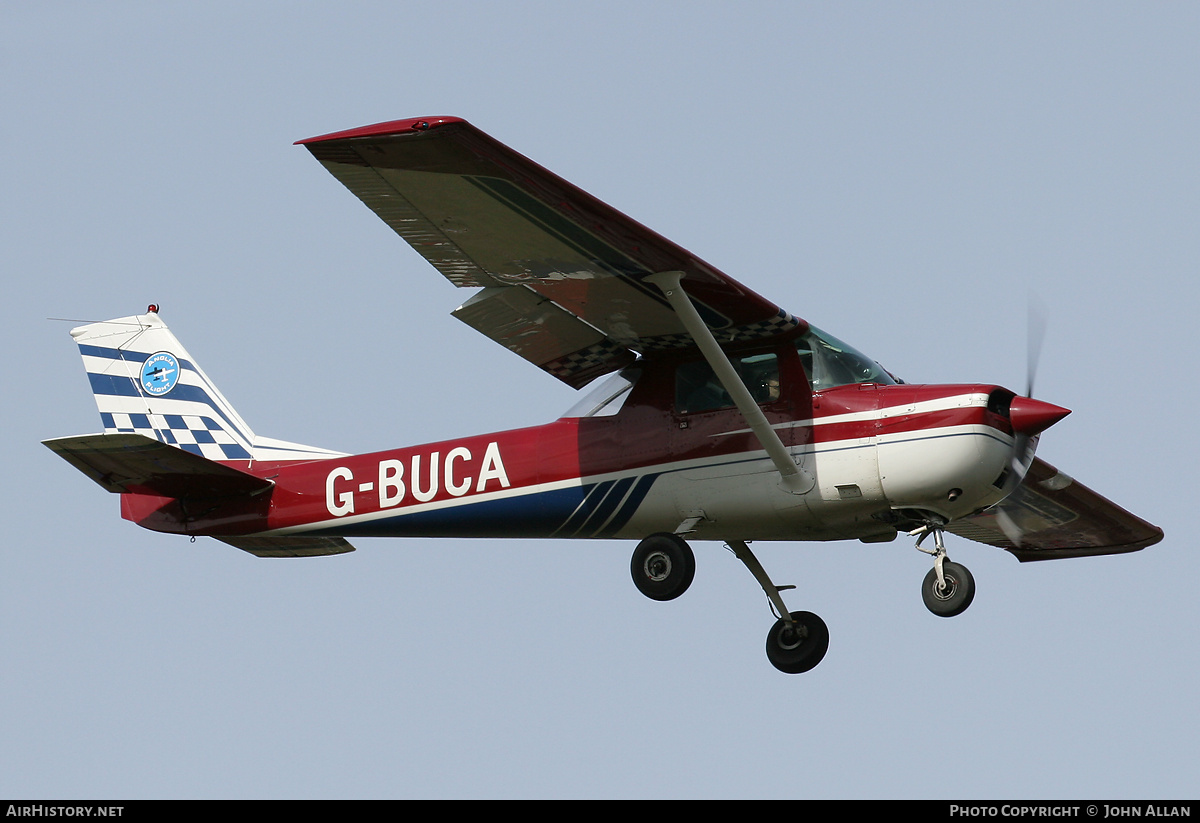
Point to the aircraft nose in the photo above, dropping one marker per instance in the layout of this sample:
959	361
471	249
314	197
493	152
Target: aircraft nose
1030	417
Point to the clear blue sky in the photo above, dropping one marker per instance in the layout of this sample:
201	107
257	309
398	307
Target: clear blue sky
903	175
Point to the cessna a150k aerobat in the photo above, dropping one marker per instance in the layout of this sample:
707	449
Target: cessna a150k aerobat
722	416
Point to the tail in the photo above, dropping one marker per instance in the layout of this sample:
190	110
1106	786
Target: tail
173	447
145	382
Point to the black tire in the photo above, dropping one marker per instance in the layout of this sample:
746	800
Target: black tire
955	597
800	647
663	566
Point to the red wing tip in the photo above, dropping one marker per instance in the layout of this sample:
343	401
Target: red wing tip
390	127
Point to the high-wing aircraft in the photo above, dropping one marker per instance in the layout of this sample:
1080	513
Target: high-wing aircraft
710	414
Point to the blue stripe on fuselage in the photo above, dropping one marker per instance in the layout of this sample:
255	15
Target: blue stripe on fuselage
537	514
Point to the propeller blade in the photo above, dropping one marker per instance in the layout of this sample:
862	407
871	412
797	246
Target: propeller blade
1035	334
1029	419
1009	526
1024	447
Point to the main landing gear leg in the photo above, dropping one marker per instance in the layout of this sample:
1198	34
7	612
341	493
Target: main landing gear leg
798	640
949	587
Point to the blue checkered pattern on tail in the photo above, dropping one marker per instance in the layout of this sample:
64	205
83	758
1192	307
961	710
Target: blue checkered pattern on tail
199	435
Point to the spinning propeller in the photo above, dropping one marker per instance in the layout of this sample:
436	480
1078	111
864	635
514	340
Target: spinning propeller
1029	419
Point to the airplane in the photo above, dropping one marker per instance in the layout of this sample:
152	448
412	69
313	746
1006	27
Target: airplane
710	413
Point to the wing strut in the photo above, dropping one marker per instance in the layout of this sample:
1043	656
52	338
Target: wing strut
795	479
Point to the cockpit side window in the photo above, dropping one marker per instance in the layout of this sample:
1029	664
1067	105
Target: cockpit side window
697	388
829	362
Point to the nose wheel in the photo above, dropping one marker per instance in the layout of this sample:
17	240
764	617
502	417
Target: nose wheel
952	594
949	588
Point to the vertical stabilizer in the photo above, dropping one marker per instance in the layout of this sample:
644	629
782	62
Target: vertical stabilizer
145	382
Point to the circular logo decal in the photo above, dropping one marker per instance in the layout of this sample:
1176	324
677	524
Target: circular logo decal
160	373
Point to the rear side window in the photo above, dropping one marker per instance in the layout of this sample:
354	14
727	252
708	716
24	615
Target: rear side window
697	388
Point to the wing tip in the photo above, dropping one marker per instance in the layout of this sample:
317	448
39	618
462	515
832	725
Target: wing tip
1152	535
412	124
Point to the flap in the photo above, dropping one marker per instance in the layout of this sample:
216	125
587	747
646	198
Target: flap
546	335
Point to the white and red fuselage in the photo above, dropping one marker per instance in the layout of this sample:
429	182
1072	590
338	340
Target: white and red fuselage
877	455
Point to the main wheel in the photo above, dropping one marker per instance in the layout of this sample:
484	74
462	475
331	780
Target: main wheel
955	596
800	646
663	566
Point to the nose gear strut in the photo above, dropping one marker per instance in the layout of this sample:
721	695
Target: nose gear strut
948	588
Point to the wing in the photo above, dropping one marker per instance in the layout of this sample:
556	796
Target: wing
1059	517
560	273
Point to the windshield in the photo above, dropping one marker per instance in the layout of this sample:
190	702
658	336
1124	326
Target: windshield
606	397
829	362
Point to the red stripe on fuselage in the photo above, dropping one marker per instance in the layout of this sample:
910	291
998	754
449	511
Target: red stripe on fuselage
396	480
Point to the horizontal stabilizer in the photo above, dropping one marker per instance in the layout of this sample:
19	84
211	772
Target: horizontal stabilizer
284	546
135	463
